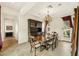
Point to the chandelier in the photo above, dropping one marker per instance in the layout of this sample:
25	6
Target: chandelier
48	18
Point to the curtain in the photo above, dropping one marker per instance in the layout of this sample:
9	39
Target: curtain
68	18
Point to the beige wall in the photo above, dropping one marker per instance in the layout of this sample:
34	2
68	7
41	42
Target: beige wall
56	25
23	27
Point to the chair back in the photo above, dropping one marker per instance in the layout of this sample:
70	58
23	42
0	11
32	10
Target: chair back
55	36
32	41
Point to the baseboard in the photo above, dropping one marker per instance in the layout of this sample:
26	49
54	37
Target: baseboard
64	41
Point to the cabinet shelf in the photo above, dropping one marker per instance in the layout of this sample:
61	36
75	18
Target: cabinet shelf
33	26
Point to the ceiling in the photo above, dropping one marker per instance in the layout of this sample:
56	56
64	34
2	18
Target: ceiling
16	5
39	8
59	9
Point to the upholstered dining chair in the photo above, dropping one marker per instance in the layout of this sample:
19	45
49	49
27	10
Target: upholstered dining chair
34	44
53	40
55	37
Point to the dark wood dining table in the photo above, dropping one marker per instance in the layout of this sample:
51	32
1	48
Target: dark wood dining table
45	44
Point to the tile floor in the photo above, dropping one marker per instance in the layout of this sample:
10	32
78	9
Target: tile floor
63	49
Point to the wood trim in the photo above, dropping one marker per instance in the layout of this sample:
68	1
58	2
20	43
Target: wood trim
0	31
75	34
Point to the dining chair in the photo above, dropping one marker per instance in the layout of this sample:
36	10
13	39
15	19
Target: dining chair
55	38
34	44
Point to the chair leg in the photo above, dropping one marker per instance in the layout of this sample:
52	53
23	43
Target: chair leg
40	48
55	44
31	49
52	46
35	51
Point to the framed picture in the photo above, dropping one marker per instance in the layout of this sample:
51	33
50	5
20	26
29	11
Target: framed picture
8	27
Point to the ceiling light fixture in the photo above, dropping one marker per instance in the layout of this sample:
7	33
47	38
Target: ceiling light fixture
47	19
59	4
